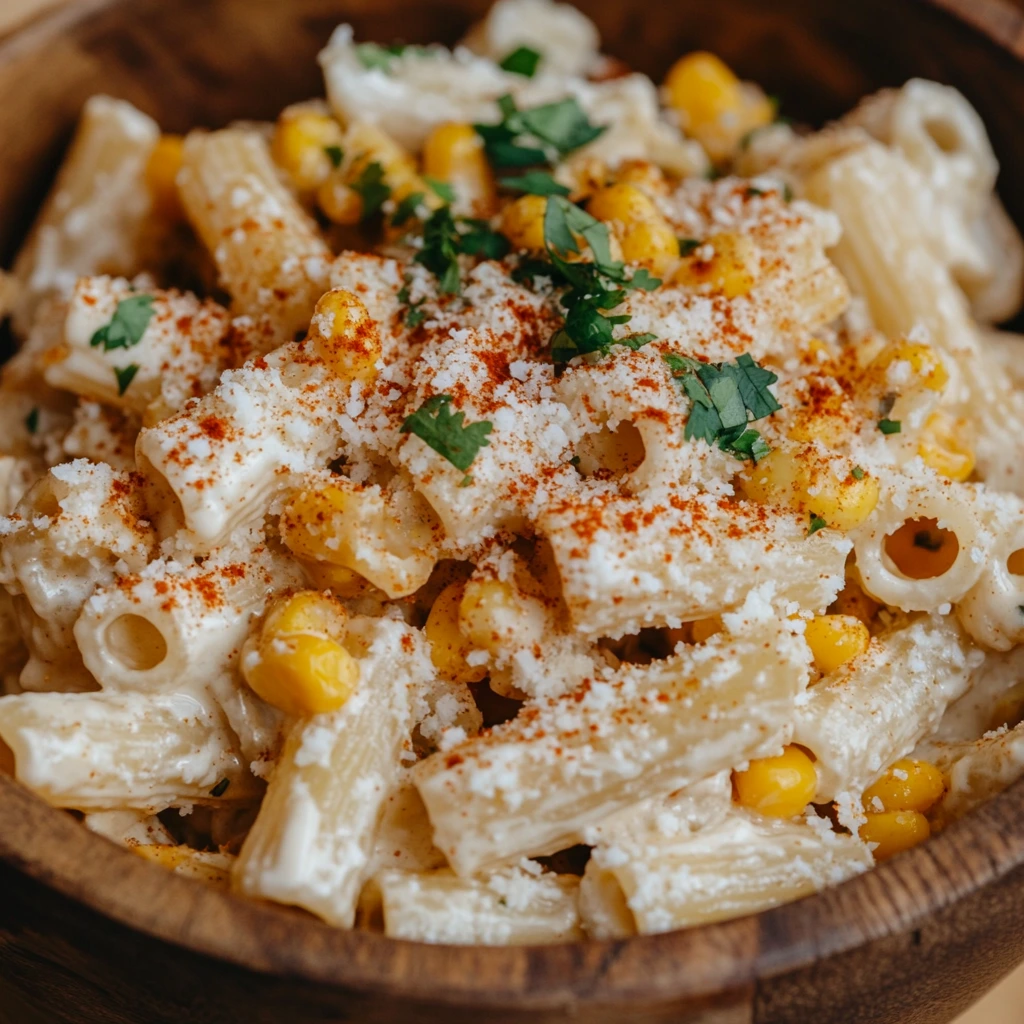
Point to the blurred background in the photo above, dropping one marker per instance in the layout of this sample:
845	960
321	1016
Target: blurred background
1005	1003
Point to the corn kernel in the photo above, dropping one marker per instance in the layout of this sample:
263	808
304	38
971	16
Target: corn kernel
702	88
651	244
731	269
836	639
622	204
894	832
522	222
340	203
779	787
296	661
369	144
924	361
161	176
494	614
704	629
340	580
300	145
345	336
448	646
944	444
906	786
644	175
808	484
455	153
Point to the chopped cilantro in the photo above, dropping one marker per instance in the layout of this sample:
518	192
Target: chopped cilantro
415	316
407	208
125	375
787	192
441	189
817	523
128	324
752	191
445	236
857	473
32	420
722	396
537	135
478	239
535	183
594	287
445	432
220	788
890	426
687	246
335	154
372	189
714	173
521	61
374	56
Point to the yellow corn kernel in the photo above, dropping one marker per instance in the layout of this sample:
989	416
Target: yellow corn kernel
522	222
852	600
788	478
203	865
704	629
945	445
455	153
652	244
161	176
296	660
836	639
301	144
622	204
495	614
731	269
925	363
644	175
368	144
779	787
702	88
894	832
340	580
340	203
345	336
906	786
448	647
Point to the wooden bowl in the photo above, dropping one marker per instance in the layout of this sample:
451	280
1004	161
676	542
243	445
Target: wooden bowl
91	933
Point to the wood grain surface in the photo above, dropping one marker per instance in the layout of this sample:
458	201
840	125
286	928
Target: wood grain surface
89	932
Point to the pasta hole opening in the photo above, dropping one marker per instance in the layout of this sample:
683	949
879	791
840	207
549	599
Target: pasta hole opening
652	643
136	643
943	134
611	454
922	550
1015	563
47	505
7	762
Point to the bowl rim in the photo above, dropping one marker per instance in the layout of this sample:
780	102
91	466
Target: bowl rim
897	897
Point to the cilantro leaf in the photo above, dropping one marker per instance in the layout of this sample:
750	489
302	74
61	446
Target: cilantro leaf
890	426
521	61
441	189
688	245
752	191
128	324
479	239
817	523
32	420
722	395
415	316
857	473
372	189
374	56
537	135
445	236
535	183
407	208
125	375
335	154
446	432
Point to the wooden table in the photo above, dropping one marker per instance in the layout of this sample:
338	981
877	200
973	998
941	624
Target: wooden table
1003	1005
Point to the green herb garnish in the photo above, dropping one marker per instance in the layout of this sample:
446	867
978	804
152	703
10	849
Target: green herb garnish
446	236
723	398
538	135
128	324
446	432
374	56
335	154
817	523
441	189
125	375
372	188
521	61
687	246
32	420
857	473
890	426
535	183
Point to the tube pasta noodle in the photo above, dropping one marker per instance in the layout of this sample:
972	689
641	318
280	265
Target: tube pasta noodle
513	502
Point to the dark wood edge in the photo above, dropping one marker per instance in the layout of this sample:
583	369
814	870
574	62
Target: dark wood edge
895	898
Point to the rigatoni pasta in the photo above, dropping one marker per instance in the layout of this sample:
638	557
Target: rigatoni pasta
509	502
